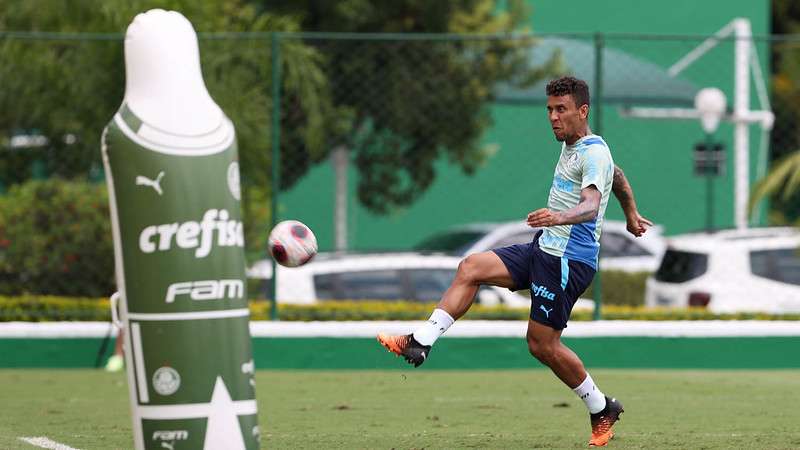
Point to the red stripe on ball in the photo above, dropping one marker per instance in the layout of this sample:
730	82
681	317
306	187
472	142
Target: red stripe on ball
279	253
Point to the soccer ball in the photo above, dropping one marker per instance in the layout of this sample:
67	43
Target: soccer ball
292	244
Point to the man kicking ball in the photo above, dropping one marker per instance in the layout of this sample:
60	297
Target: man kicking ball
557	265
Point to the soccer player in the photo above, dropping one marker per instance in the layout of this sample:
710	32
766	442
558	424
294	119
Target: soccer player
557	265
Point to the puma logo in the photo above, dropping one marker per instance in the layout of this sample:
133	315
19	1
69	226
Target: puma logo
155	184
546	311
169	445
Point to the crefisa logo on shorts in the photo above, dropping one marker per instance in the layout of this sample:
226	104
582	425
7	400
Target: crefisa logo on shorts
541	291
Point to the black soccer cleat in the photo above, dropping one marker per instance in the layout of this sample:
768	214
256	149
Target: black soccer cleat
407	347
603	421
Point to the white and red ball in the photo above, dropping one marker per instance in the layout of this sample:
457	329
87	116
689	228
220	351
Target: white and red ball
292	243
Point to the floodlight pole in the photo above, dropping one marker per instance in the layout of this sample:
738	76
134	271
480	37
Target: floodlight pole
711	104
741	109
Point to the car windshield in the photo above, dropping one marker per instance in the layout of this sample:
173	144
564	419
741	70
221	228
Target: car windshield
427	285
778	264
616	245
678	266
360	285
455	242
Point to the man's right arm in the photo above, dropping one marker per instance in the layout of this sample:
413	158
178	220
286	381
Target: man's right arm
637	224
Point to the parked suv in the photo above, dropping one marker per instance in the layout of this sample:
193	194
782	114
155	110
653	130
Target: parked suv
384	276
619	250
730	271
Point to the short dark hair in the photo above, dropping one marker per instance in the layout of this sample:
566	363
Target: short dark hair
567	85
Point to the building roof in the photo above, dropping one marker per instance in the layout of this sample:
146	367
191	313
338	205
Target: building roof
626	79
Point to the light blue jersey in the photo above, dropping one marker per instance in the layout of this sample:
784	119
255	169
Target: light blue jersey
587	162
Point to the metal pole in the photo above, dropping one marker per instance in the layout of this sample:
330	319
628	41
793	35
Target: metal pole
709	153
276	157
597	112
597	129
741	109
341	160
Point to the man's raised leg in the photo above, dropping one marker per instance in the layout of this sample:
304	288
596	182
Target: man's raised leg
474	270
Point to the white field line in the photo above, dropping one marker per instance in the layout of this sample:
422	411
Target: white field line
44	442
465	328
517	328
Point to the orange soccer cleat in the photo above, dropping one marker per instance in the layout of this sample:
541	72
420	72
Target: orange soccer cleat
405	346
603	421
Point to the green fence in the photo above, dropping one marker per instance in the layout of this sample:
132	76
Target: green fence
377	141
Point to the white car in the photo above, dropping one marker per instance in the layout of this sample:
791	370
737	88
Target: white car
730	271
385	276
619	250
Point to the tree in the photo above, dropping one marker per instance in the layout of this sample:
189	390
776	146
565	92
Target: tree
781	184
65	88
408	102
399	104
55	239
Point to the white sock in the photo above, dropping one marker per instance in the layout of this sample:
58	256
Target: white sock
439	322
591	395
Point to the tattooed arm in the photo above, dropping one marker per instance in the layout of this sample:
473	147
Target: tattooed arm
637	224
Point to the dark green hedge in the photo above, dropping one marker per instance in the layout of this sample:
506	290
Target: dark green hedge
34	308
48	308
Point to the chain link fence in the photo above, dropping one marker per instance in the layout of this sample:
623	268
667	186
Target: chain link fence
378	142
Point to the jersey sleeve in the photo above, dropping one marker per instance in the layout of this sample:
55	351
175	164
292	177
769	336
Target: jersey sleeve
597	167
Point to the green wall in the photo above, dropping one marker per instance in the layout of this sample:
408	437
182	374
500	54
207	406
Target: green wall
656	155
453	353
649	17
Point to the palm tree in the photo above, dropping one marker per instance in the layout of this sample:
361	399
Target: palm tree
783	179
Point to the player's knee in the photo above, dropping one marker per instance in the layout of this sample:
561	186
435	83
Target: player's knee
540	350
468	269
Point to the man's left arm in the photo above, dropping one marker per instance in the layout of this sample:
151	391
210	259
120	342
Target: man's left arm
585	211
637	224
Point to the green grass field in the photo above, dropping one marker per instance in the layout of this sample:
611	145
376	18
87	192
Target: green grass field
434	409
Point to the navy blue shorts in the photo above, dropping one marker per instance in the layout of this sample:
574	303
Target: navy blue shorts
555	283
